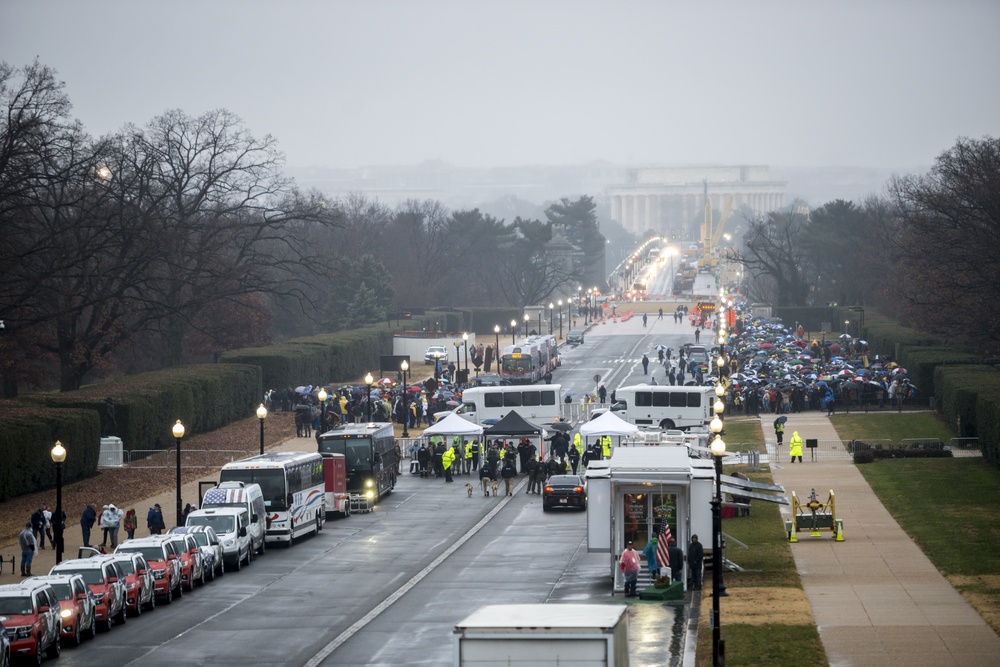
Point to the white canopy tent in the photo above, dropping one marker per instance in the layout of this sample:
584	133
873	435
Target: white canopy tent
608	424
454	425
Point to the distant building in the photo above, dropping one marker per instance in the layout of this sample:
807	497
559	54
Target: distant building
671	200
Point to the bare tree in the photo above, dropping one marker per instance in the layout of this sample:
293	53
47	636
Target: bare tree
773	251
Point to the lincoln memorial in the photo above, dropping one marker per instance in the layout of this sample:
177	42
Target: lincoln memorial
659	199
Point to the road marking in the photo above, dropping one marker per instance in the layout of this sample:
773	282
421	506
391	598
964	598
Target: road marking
339	640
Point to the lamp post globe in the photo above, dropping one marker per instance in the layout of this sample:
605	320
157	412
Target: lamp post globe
178	431
58	456
368	396
513	331
720	391
322	396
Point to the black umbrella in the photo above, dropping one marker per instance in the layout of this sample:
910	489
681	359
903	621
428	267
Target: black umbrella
781	420
560	426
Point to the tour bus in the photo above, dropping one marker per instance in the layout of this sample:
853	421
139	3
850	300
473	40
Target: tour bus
538	403
521	362
293	488
548	352
370	453
665	407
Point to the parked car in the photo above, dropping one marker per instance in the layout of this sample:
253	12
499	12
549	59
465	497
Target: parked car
434	353
574	337
564	491
230	524
105	580
192	562
210	545
489	380
158	550
30	612
245	496
77	609
140	587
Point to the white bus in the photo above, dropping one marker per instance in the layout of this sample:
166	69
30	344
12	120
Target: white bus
538	403
664	407
294	491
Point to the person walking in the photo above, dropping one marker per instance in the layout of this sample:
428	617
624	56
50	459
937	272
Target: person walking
486	479
26	540
779	430
538	475
676	557
154	520
574	459
644	319
38	527
696	561
508	472
629	562
697	334
47	515
468	457
87	521
651	560
795	447
645	365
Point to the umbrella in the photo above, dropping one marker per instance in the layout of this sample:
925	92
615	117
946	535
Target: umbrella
845	336
304	389
560	426
386	381
781	420
453	404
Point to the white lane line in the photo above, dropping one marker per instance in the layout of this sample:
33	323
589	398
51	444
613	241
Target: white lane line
325	652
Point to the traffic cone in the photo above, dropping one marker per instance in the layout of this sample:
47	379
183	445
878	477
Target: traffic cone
840	531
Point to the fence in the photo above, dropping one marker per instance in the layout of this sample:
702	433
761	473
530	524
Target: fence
167	458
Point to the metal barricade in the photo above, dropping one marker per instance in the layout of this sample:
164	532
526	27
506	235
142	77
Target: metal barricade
964	443
142	459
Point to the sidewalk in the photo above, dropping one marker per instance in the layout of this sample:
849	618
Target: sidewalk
45	559
876	597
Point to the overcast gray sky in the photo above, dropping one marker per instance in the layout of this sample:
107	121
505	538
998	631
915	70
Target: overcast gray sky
873	83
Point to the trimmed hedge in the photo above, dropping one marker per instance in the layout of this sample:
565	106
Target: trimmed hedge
203	397
27	434
921	361
957	389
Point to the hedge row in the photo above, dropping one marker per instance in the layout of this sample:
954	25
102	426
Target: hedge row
27	434
969	400
203	397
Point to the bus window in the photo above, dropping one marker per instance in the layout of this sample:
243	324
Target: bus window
531	398
694	400
548	397
493	400
643	399
661	399
512	399
680	399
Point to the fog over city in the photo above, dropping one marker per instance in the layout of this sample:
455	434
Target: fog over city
879	85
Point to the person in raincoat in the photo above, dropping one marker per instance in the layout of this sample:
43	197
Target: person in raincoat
650	553
795	447
447	458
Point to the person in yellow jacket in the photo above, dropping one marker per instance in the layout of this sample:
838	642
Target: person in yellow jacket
468	457
578	443
606	446
795	446
446	460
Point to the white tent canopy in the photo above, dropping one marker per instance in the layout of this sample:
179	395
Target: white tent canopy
608	424
454	425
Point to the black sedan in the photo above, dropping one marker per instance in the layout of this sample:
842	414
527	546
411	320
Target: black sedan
574	337
565	491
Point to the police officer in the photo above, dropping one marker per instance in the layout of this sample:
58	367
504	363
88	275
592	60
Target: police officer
606	446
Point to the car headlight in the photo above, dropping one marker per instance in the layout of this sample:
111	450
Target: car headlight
22	631
369	494
159	574
228	543
66	613
130	587
370	483
98	598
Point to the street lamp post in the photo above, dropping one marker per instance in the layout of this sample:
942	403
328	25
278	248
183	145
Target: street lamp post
552	309
322	396
404	366
368	398
560	317
261	415
178	431
513	332
718	646
526	316
58	456
496	350
458	361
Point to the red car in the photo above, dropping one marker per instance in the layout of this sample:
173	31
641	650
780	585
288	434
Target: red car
77	609
192	562
30	612
139	582
105	580
158	550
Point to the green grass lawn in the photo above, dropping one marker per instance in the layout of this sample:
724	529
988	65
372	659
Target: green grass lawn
891	425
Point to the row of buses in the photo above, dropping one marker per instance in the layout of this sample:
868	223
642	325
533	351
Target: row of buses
528	360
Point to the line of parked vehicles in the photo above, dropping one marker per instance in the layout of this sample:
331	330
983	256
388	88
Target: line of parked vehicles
96	591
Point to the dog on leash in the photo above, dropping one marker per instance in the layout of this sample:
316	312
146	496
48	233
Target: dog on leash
468	487
496	486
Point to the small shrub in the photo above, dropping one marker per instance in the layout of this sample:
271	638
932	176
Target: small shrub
864	456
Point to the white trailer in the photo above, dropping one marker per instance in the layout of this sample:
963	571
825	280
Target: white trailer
545	635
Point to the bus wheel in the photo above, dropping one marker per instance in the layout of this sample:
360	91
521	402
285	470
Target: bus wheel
666	425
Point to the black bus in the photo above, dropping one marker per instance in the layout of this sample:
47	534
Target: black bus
370	453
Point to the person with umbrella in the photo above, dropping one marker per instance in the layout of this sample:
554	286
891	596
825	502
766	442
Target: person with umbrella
779	428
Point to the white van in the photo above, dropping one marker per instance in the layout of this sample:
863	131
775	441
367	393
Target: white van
665	407
245	496
230	524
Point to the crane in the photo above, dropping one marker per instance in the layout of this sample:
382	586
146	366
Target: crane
709	238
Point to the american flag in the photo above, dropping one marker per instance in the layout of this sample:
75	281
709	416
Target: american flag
662	555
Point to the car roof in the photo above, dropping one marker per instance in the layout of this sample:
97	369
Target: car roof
57	578
23	587
88	563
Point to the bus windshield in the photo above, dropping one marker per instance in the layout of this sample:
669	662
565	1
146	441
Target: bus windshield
271	480
520	364
357	451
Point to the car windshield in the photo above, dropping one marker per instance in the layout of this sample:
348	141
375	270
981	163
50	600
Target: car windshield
63	591
180	545
90	575
17	605
220	523
564	480
149	553
575	334
126	566
201	539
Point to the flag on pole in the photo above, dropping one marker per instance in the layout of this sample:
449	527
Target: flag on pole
662	555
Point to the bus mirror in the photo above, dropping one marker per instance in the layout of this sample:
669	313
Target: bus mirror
290	500
243	531
253	519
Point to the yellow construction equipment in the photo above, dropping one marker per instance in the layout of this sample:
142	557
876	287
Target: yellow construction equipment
710	237
815	517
